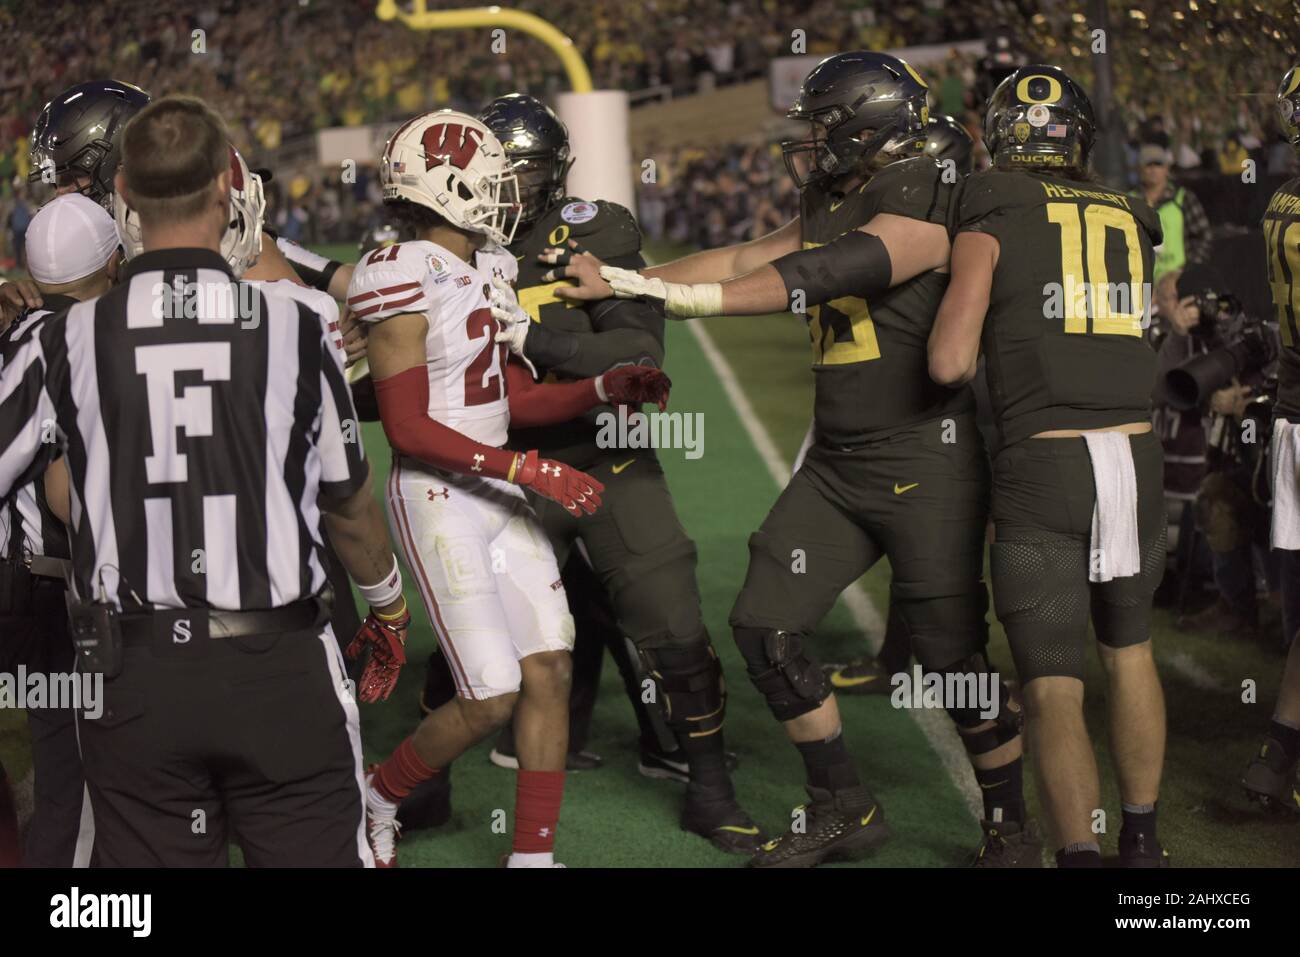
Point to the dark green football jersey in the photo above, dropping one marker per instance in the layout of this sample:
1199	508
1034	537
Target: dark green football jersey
1282	247
869	359
613	332
1059	356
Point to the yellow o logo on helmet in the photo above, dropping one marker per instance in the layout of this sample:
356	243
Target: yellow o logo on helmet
1295	82
1053	89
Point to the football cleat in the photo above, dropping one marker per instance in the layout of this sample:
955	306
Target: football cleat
722	820
864	676
1270	779
382	829
573	761
1009	844
840	826
1137	851
662	765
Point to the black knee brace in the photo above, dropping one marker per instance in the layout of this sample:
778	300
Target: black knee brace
1006	726
689	681
791	680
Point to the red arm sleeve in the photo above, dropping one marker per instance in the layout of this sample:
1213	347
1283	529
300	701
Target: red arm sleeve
533	403
404	410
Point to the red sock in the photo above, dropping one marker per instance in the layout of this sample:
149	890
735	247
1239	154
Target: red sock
402	773
537	810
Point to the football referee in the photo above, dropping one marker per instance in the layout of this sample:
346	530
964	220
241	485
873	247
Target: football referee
206	427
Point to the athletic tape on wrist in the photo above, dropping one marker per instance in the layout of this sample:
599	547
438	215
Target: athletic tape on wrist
680	299
385	591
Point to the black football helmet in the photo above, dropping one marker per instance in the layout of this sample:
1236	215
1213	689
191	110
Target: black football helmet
859	104
946	139
1003	56
1040	118
79	134
537	146
1288	106
381	236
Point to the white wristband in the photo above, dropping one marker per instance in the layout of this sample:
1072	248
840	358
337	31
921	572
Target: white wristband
601	394
385	591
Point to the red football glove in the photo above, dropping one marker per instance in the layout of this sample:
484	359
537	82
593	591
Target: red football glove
387	641
576	491
632	385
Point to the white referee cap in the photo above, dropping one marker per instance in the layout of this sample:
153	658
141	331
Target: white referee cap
69	238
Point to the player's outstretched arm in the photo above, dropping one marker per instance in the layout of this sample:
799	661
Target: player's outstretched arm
715	265
889	250
954	345
537	404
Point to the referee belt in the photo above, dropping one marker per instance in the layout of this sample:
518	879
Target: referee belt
165	623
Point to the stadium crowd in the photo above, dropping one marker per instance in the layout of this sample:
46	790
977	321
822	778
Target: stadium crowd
278	72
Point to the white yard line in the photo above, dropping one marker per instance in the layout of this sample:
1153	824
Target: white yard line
935	725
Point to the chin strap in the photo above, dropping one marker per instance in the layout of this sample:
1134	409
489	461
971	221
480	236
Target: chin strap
685	300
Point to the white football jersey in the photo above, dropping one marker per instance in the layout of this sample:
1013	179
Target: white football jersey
321	303
467	383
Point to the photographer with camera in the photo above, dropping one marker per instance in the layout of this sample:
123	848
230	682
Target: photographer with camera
1213	411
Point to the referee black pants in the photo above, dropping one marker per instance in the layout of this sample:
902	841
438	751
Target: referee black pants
38	640
252	740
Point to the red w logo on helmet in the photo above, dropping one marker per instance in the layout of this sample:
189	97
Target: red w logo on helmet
450	143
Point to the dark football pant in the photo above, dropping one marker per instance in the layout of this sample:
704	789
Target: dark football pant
645	562
1043	498
1289	576
250	740
40	641
637	548
912	497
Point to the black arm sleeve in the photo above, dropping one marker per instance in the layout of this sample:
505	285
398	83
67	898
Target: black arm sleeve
855	264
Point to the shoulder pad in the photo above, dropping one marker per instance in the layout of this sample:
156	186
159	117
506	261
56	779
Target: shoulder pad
606	229
913	188
395	279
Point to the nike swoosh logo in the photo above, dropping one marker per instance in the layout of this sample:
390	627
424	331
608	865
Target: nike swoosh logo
900	489
840	681
739	830
995	784
618	468
867	820
835	206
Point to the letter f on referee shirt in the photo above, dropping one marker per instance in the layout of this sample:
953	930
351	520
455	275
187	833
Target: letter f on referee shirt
191	412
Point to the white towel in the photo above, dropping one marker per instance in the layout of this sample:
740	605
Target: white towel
1286	484
1115	552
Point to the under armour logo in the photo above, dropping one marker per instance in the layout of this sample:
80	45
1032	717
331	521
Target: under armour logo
543	832
478	462
181	633
548	469
434	494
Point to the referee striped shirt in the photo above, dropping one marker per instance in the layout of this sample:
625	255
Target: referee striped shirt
201	420
28	527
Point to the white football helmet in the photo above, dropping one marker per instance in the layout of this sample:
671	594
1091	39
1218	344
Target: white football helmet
242	243
452	164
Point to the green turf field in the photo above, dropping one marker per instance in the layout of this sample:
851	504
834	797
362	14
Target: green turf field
614	817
